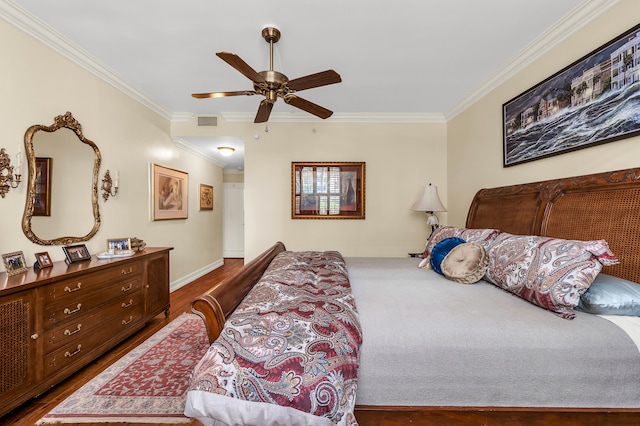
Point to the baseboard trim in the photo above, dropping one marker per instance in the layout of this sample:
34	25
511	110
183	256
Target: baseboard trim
181	282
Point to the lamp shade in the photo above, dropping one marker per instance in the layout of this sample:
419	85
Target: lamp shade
429	201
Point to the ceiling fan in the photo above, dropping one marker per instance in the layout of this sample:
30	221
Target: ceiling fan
273	84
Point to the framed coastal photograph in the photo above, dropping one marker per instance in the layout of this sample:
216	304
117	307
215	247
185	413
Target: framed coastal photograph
117	245
170	190
76	253
14	263
206	197
328	190
42	200
590	102
43	260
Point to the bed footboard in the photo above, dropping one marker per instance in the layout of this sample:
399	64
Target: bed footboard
215	305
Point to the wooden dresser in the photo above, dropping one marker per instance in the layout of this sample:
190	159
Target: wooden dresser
56	320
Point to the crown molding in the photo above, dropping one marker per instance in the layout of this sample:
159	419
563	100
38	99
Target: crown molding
43	33
341	117
186	146
580	16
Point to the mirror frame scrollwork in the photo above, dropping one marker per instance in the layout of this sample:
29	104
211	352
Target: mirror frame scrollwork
67	120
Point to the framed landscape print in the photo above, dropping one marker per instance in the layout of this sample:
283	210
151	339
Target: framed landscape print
590	102
170	193
327	190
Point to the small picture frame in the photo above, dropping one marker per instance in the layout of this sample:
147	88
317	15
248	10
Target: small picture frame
118	245
76	253
43	260
14	263
206	197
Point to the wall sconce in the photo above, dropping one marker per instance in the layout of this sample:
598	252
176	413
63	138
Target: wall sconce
8	179
428	201
109	187
225	151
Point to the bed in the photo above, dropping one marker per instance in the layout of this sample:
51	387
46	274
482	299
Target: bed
540	367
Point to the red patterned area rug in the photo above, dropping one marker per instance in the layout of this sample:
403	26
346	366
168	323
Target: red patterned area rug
147	385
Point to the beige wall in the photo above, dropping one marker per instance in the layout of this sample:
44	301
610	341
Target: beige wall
39	84
400	159
475	136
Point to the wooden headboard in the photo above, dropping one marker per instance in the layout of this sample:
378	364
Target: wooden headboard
602	206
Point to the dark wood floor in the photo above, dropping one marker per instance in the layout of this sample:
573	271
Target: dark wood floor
29	413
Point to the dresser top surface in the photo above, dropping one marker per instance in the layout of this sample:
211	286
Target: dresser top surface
61	270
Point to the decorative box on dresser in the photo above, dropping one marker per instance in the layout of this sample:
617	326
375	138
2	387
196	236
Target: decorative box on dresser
56	320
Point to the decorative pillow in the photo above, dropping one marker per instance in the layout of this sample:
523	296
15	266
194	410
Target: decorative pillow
441	250
549	272
609	295
482	236
466	263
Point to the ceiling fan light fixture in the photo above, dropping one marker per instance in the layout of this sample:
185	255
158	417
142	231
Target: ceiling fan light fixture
226	151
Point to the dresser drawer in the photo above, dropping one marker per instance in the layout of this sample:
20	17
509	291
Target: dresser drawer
71	289
71	308
77	350
93	321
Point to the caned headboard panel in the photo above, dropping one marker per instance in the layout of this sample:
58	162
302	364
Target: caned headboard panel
602	206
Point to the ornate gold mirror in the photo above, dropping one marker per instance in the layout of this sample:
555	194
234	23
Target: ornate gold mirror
62	193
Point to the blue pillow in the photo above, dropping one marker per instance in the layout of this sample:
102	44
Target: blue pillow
609	295
442	249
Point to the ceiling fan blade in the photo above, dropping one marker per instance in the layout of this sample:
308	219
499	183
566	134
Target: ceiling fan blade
223	94
314	80
308	106
264	111
240	65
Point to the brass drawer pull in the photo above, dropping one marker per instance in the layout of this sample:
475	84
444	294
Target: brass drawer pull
126	305
68	354
69	312
125	272
125	322
70	333
34	336
127	288
70	290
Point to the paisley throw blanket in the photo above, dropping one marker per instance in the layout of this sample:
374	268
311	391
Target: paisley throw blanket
289	353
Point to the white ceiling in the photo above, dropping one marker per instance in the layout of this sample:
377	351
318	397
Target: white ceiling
408	60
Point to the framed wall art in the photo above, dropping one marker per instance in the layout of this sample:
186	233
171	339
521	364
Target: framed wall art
42	200
76	253
206	197
14	263
327	190
170	190
590	102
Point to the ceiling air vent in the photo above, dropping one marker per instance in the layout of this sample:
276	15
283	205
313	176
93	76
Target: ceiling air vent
207	121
